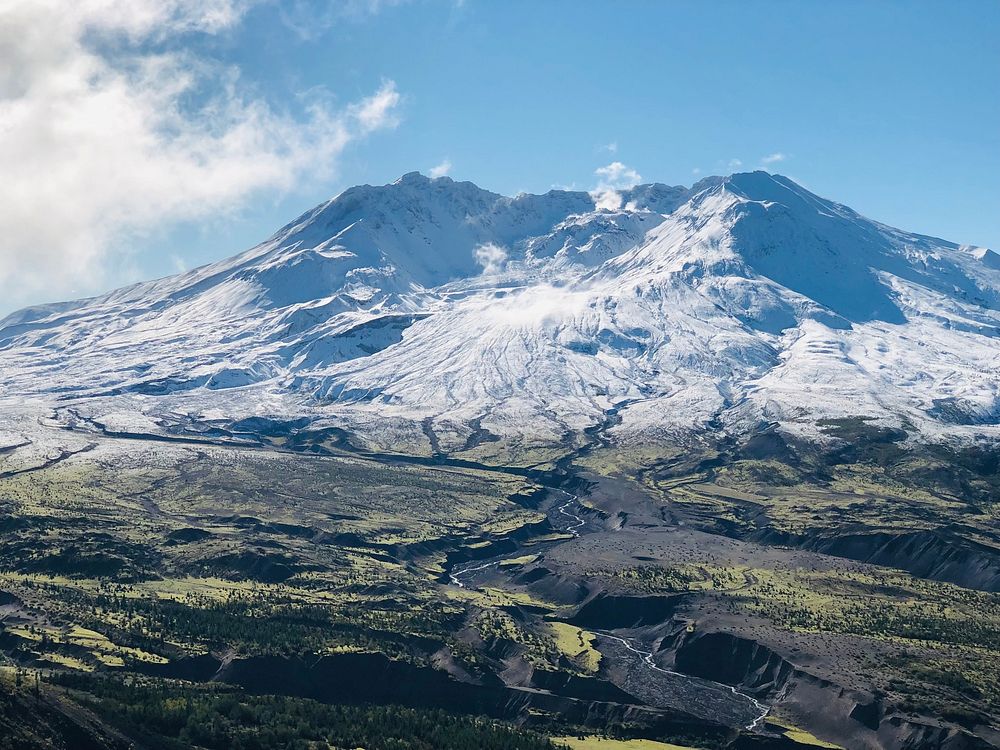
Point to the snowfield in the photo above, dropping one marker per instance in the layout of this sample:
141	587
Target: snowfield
739	302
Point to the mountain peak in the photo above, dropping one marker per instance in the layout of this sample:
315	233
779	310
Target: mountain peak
764	186
438	299
418	178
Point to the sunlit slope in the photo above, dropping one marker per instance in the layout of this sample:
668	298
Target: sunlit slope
738	302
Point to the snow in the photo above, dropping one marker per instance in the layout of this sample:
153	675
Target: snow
741	301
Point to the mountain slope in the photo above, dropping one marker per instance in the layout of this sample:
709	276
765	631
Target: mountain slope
738	302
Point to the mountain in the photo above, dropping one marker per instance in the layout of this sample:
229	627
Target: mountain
429	308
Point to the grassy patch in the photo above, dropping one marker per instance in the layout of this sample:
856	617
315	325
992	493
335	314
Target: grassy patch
801	736
577	645
595	742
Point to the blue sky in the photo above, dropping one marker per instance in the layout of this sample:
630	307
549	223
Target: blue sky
889	107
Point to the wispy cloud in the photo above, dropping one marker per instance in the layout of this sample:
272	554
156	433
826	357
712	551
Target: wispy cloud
611	148
735	163
441	169
377	111
773	158
97	148
613	178
310	19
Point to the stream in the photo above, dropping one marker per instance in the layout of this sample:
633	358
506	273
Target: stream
455	576
709	692
647	659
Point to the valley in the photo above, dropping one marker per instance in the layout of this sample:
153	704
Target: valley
662	595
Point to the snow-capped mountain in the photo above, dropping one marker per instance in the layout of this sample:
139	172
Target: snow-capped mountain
739	301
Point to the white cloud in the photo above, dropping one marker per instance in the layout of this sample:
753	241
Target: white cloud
773	158
611	179
618	175
735	163
606	199
441	169
98	149
696	171
377	111
611	148
491	257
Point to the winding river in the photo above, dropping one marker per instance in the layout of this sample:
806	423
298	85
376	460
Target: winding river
460	577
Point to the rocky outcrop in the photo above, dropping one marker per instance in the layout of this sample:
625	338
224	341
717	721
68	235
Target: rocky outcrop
935	554
374	678
609	612
733	661
855	719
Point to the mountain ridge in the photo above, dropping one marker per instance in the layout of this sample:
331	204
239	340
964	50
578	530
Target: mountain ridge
741	301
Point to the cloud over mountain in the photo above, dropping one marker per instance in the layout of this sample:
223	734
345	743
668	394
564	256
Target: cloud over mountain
110	133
